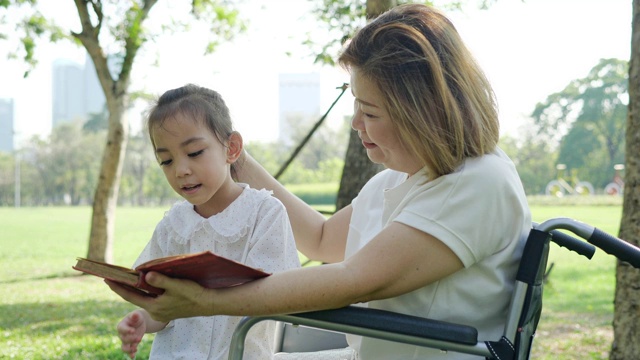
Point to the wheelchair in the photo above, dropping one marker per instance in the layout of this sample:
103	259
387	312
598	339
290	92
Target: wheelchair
522	317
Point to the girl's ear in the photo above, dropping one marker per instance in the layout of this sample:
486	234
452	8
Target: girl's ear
234	147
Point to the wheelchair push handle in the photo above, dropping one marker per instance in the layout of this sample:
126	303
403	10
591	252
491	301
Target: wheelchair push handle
567	241
616	247
607	242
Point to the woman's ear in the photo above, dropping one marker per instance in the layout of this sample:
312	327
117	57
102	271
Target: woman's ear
234	147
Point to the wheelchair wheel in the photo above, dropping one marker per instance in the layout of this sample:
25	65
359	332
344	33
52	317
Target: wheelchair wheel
554	188
584	188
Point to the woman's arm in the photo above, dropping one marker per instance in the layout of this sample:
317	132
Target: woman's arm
316	237
400	259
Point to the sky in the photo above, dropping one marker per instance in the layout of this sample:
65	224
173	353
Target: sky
528	49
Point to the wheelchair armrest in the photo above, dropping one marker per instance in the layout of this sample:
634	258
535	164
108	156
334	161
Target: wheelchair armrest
388	321
385	325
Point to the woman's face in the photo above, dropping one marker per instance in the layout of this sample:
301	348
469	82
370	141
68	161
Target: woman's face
375	128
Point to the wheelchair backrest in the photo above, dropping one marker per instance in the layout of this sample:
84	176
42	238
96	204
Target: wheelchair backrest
526	302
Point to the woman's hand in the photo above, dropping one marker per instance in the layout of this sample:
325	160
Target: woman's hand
238	166
182	298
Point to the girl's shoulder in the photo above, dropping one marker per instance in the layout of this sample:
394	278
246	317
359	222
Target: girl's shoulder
256	198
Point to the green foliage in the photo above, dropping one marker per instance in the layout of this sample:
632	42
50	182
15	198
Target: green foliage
319	161
582	126
588	117
228	21
328	170
62	169
125	25
342	18
576	147
29	28
7	171
534	160
97	122
316	193
143	182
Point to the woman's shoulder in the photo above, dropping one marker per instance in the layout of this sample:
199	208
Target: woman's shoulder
386	179
492	168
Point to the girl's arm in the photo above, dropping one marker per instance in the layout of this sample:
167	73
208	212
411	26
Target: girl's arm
132	328
400	259
316	237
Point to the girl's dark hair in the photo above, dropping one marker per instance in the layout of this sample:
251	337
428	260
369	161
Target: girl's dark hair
194	102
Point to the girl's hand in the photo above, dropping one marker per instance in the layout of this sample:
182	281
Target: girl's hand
131	329
181	299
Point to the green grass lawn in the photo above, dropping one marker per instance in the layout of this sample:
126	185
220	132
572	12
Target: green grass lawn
49	311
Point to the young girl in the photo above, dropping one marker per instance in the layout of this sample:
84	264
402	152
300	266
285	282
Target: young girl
195	144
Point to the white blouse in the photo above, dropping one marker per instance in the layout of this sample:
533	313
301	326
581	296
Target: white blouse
253	230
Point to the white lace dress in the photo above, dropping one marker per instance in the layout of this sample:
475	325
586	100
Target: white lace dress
253	230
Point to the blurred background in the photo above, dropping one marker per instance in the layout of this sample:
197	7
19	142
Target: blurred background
532	51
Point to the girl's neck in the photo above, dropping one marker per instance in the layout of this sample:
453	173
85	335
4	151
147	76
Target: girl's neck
224	197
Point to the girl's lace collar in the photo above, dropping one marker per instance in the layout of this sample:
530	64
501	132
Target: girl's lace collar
228	226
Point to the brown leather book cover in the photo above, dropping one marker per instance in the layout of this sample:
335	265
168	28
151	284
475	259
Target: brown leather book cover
205	268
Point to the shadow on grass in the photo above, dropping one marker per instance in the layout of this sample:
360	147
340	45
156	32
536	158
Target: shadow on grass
64	330
59	275
52	316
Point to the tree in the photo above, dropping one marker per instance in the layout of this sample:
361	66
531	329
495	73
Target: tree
626	318
533	158
7	174
111	30
314	143
344	15
588	118
358	169
70	162
138	160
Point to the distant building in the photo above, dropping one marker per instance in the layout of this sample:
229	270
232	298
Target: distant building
94	96
299	100
6	125
76	91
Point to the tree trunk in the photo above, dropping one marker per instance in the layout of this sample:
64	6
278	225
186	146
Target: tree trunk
106	195
357	167
115	91
626	318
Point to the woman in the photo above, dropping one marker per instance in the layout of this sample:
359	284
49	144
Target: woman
437	234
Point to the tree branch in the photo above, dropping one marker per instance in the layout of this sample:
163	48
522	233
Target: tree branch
89	39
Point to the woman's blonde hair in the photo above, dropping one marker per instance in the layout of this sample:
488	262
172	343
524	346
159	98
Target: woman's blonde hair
434	91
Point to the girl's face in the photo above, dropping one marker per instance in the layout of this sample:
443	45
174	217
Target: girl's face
196	164
375	128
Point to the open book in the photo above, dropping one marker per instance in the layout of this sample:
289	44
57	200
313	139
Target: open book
205	268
